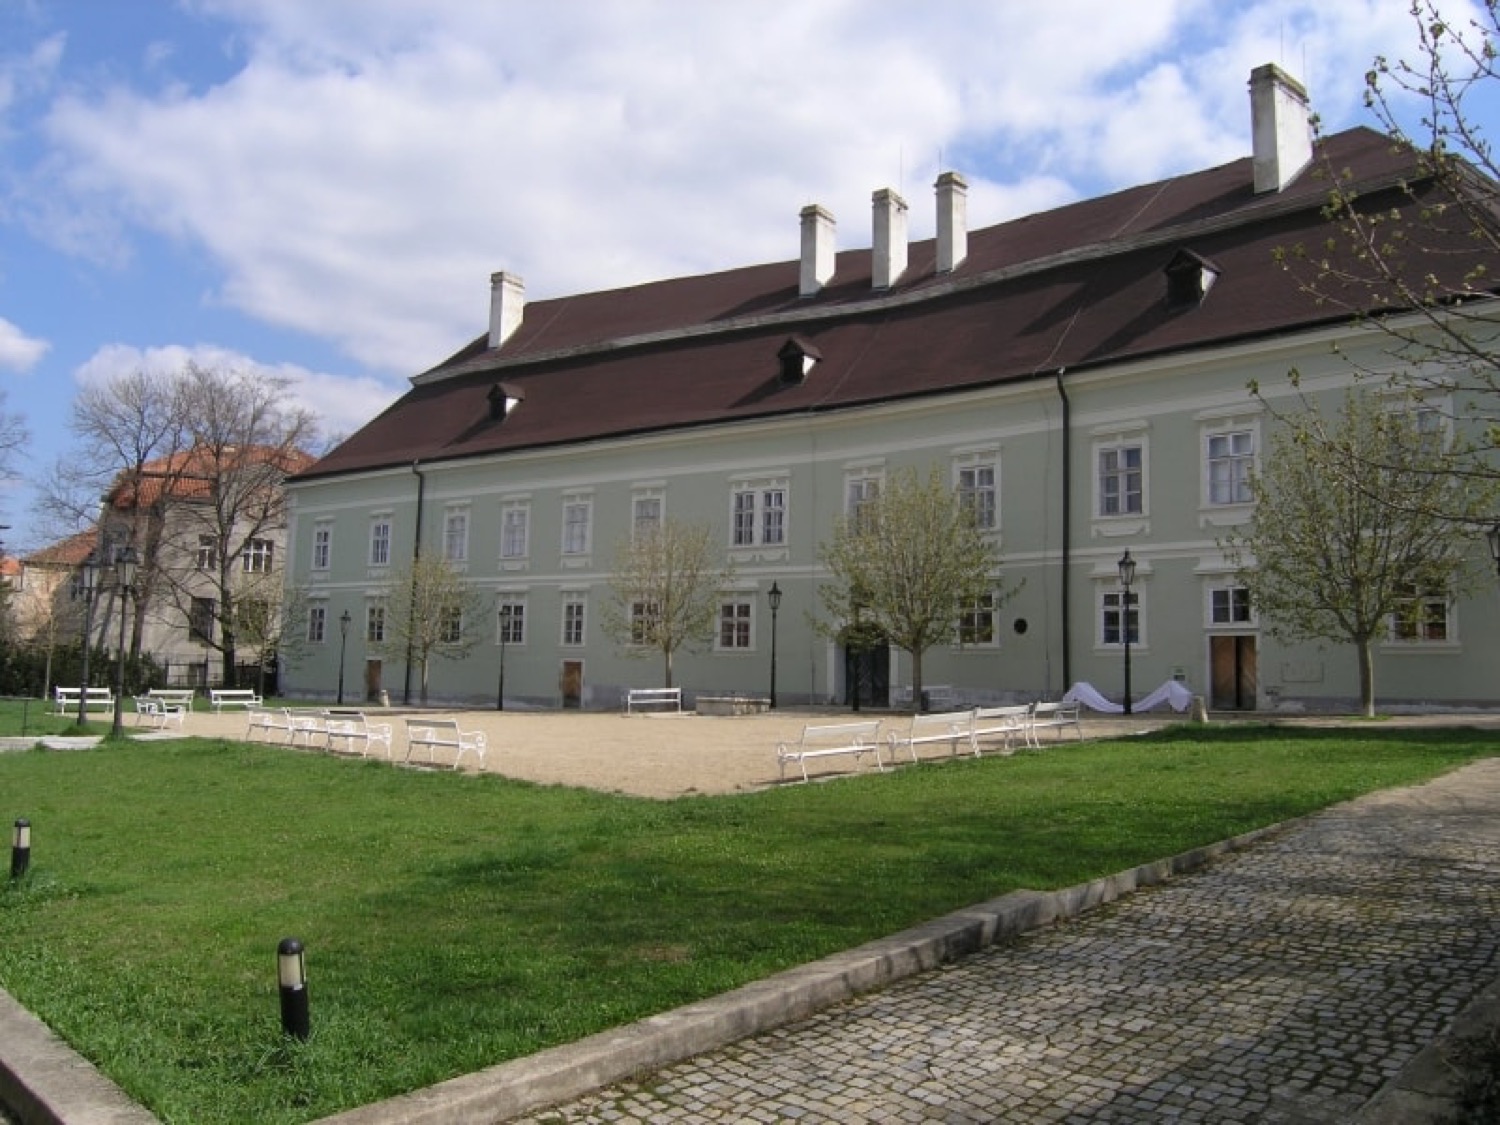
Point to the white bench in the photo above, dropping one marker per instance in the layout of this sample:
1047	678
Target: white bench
823	740
221	698
158	712
309	725
180	697
445	734
636	698
355	730
952	727
1005	723
937	697
1054	716
272	721
67	699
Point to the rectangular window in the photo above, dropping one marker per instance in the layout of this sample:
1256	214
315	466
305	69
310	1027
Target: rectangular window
1111	624
456	536
758	517
380	542
577	514
208	552
256	557
734	624
322	546
317	624
1231	458
515	520
375	623
1120	479
201	621
976	492
573	621
643	616
1421	616
646	515
976	624
450	625
860	492
1229	605
512	622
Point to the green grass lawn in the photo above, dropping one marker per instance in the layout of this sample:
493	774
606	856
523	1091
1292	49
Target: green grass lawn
454	921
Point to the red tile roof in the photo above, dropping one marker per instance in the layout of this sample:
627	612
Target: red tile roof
1078	286
68	553
189	476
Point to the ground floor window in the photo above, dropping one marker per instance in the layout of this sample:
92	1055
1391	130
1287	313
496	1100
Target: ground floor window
734	624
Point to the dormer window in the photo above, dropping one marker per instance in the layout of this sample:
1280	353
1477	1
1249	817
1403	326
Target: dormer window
503	399
1189	278
797	357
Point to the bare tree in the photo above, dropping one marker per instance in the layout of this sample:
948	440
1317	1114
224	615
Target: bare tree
1341	551
907	567
430	610
664	591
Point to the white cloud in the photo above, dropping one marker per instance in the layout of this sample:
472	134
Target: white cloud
18	351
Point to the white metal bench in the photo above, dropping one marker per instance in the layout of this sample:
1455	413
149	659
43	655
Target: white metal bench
636	698
952	727
102	698
273	722
355	731
1054	716
220	698
444	734
158	712
311	726
823	740
181	697
1004	723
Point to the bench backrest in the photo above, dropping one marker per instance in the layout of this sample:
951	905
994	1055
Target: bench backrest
434	725
831	732
1058	710
231	693
1018	711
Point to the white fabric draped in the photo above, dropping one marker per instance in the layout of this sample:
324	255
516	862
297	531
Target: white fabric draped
1173	693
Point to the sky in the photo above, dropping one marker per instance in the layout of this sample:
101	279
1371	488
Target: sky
320	189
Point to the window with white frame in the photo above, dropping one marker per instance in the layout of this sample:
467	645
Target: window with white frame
322	546
450	625
257	555
860	491
578	514
976	622
1114	619
976	476
317	624
456	535
643	618
574	620
375	622
734	624
1423	615
208	552
511	620
1122	479
515	529
1231	460
380	541
646	510
758	515
1229	605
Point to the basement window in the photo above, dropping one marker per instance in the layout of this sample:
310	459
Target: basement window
797	357
1189	278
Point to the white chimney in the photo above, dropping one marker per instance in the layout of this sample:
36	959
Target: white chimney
952	221
817	250
889	252
507	306
1281	127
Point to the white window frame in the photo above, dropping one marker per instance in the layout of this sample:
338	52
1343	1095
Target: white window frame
648	511
1411	634
1115	449
974	493
208	552
862	487
317	624
510	620
1108	602
380	541
640	614
515	530
577	525
1235	597
985	610
456	535
1240	466
575	612
375	621
259	556
322	545
737	616
451	625
758	513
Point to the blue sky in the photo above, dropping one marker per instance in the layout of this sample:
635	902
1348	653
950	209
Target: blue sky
321	188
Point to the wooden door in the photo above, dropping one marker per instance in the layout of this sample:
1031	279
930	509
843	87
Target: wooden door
572	683
1232	673
372	681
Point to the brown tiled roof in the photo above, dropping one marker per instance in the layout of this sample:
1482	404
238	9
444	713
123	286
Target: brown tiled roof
1079	286
189	475
69	552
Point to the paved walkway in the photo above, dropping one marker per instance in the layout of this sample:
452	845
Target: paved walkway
1284	984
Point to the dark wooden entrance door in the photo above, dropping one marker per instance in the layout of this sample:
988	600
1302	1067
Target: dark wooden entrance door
1232	672
572	683
867	677
372	681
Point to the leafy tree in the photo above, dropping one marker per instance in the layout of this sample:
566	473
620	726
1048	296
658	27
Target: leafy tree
906	567
1353	528
430	610
664	591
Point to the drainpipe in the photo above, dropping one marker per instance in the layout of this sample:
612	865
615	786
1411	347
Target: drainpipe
1067	526
416	555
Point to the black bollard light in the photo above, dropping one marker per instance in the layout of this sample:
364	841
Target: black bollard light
20	849
291	972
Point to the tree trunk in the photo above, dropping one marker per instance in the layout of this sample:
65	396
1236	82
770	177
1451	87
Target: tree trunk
667	666
1366	678
916	682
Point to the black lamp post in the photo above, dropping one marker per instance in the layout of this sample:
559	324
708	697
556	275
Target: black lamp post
504	629
344	620
1127	579
90	579
854	653
773	595
125	564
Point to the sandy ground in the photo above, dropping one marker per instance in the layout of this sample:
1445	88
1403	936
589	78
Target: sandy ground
661	755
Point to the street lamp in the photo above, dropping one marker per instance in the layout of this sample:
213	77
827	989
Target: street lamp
854	653
343	645
773	595
125	564
1127	579
504	629
90	579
